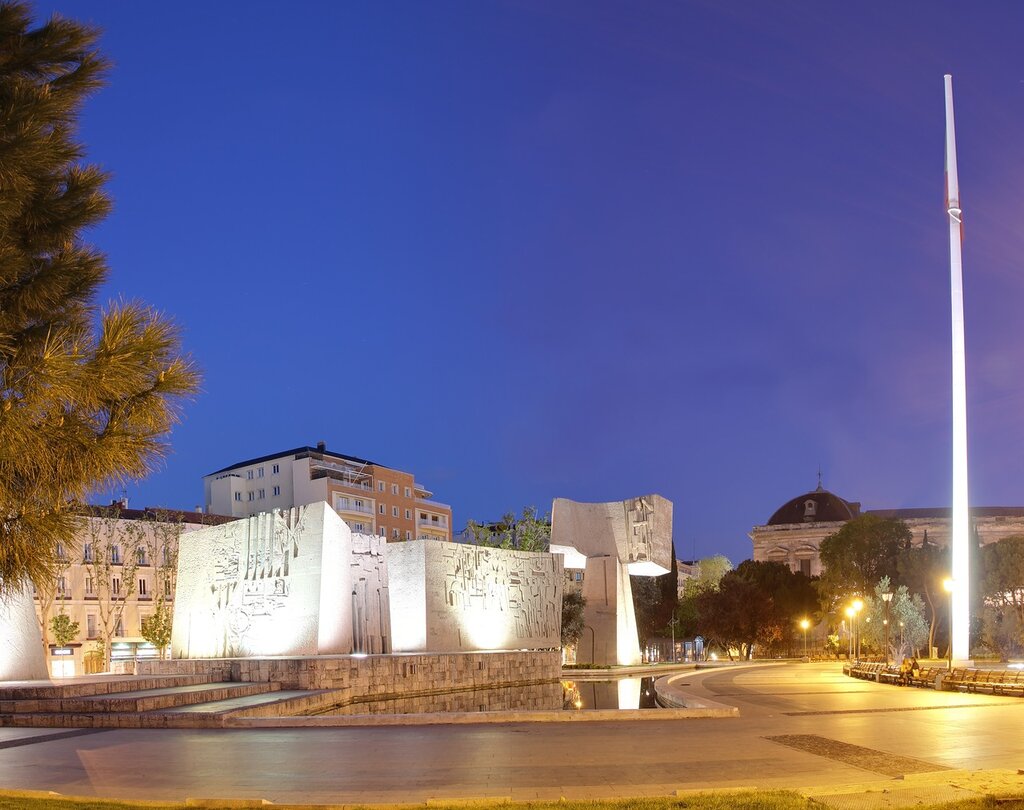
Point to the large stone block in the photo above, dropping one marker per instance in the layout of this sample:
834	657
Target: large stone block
278	583
21	646
448	597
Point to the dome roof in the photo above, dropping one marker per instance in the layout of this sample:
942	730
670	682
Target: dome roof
819	506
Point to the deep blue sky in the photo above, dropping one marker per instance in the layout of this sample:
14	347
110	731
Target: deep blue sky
592	250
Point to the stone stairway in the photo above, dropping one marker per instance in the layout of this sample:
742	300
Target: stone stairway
134	702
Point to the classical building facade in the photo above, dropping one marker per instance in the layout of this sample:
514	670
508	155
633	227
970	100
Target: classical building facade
793	534
369	497
121	563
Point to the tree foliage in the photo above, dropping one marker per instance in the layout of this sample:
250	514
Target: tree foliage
64	629
1002	585
156	628
908	627
86	399
922	569
857	556
528	532
573	605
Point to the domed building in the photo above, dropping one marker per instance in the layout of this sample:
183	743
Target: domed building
794	532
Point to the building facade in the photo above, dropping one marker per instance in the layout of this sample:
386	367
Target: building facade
793	534
369	497
121	564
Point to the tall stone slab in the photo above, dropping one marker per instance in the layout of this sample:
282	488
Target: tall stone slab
371	605
450	597
611	541
21	646
277	583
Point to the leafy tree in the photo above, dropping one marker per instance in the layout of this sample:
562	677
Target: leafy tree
923	568
528	532
654	602
65	631
156	628
1002	585
908	627
85	399
710	571
573	604
856	557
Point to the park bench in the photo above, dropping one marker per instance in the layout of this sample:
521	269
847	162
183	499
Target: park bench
890	675
997	682
924	677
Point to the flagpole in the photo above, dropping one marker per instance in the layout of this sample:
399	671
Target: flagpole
960	528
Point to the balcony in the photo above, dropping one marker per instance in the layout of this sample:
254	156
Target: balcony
342	477
433	504
440	525
351	507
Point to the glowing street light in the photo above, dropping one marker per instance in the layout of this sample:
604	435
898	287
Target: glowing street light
804	624
858	606
850	613
949	586
887	598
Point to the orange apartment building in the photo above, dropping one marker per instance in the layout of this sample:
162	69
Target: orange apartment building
371	498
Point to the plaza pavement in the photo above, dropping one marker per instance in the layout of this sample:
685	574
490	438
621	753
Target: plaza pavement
800	726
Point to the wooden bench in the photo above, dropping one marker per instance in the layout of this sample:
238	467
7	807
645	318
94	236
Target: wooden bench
924	677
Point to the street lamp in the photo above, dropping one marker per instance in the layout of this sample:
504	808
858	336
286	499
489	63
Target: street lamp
901	638
887	598
849	615
858	606
804	624
948	584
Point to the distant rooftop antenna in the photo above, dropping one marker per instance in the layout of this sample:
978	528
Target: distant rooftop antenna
820	488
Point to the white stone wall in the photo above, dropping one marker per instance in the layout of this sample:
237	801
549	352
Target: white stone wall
371	609
21	650
277	583
448	597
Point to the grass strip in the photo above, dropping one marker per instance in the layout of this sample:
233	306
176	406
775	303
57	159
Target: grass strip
752	800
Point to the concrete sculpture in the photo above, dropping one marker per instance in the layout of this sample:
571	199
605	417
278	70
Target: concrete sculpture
21	651
371	607
611	541
449	597
277	583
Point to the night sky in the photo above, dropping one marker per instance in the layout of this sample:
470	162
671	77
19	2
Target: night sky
591	250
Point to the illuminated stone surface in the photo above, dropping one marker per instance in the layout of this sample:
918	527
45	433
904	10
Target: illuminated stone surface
371	611
21	651
614	539
447	597
278	583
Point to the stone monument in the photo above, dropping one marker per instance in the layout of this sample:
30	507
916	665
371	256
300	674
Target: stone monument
450	597
611	541
277	583
21	650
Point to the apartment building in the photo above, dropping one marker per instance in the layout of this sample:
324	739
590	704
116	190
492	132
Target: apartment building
121	563
370	497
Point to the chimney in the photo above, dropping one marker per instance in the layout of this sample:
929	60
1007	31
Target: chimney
321	446
199	510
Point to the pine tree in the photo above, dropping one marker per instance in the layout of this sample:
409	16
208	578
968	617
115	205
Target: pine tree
87	397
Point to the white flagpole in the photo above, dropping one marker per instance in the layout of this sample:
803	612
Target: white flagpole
960	529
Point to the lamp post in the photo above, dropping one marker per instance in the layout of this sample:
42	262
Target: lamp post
858	606
948	584
887	598
804	624
673	623
901	638
849	615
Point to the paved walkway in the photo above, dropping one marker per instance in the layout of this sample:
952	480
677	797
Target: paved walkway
801	725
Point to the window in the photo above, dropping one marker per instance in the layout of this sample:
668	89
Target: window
61	555
408	535
167	587
383	532
380	486
382	509
166	556
394	511
142	556
238	496
62	586
90	625
259	473
423	515
142	587
249	475
408	515
115	555
408	492
805	567
359	504
115	586
87	553
277	491
276	469
252	496
119	630
263	494
359	527
89	586
394	489
394	533
579	576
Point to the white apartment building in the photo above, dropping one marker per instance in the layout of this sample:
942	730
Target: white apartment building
371	498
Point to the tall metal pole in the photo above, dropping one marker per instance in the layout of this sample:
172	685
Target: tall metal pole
960	618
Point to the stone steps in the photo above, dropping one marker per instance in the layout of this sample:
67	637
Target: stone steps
143	700
98	685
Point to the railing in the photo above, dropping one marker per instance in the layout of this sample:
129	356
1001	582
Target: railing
336	475
434	524
435	504
347	507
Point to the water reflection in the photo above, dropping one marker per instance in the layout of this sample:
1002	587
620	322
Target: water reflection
622	693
